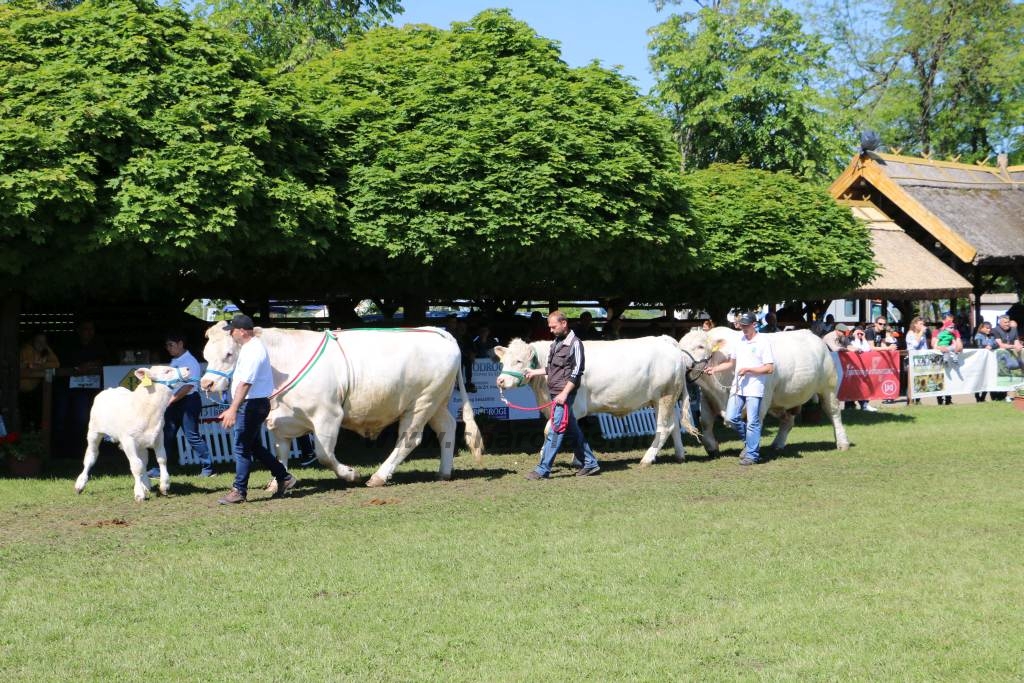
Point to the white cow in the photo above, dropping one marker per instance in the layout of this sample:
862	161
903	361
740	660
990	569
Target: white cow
619	377
803	370
362	380
135	419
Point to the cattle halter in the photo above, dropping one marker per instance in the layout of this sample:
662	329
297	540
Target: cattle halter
521	377
171	383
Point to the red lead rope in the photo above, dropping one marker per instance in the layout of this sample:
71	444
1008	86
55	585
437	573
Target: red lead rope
559	428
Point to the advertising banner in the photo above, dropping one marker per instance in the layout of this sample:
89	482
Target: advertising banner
868	375
973	370
487	400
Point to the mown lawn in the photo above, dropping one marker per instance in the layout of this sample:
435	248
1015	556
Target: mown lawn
898	560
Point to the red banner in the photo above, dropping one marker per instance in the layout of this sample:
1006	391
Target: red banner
869	375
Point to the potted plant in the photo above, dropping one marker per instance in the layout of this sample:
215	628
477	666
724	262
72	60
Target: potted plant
23	453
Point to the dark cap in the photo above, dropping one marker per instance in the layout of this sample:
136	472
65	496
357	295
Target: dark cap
748	319
239	322
947	314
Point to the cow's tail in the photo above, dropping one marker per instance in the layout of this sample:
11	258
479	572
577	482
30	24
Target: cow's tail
686	416
474	439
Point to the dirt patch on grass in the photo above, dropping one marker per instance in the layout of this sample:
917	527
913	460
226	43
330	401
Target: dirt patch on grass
117	521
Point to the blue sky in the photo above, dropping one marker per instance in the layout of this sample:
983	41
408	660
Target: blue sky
612	31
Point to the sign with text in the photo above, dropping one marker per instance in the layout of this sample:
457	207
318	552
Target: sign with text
487	400
973	370
868	375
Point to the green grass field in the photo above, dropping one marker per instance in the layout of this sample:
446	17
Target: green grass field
898	560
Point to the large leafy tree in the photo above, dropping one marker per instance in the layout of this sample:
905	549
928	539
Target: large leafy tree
773	238
480	163
942	77
138	149
739	81
292	31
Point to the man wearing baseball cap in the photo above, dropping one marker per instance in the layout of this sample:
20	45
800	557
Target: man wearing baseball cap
753	360
252	383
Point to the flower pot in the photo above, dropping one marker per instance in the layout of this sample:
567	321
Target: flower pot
29	467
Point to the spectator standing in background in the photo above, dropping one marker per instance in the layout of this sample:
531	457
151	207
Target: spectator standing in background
984	339
36	358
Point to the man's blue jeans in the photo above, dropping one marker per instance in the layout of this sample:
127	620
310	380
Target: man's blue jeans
749	429
184	413
246	434
553	441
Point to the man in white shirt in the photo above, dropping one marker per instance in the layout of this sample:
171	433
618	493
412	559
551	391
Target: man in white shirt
252	383
752	358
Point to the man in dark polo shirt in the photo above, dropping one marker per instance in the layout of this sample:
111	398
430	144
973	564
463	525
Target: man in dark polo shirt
565	372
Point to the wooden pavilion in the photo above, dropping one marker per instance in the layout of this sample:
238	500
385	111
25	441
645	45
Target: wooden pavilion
968	218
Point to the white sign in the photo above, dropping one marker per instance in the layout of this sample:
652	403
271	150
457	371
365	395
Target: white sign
84	382
977	370
487	400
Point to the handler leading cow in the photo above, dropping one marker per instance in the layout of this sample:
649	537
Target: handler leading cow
803	369
621	377
362	380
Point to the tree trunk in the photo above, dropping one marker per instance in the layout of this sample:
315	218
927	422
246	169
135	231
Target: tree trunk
10	309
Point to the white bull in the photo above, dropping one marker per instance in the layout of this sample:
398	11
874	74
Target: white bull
135	419
362	380
803	370
619	377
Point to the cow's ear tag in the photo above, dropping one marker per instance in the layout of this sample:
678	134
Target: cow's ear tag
146	381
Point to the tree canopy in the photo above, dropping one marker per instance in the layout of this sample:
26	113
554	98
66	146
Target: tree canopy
738	79
773	238
943	77
291	32
136	145
478	161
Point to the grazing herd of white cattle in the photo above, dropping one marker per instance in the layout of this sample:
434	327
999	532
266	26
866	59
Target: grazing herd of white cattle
367	380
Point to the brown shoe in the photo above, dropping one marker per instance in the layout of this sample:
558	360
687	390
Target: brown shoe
233	497
285	487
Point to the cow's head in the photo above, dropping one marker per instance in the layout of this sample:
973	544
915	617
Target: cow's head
221	353
697	348
516	359
163	374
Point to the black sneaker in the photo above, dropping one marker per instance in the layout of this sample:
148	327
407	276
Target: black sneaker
589	471
309	462
534	475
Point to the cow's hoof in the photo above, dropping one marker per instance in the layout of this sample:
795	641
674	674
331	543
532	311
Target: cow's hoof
376	481
444	477
844	447
139	498
645	463
165	491
348	474
680	459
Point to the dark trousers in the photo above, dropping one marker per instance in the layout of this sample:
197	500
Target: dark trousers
246	434
184	414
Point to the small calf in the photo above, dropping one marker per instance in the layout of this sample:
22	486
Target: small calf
135	419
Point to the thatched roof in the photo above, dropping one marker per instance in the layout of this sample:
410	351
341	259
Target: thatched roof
977	212
906	270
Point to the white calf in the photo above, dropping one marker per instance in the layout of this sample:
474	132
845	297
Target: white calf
135	419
